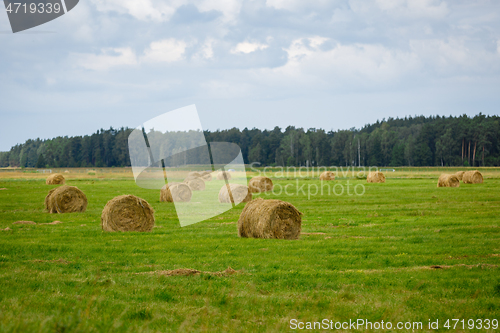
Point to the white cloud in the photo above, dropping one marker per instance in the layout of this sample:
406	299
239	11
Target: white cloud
297	5
352	65
206	51
109	57
435	9
247	47
143	10
167	50
229	8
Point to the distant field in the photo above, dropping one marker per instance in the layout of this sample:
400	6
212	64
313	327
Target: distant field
404	251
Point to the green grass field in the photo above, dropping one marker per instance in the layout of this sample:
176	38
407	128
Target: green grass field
367	256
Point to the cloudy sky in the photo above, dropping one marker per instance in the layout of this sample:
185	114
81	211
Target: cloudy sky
255	63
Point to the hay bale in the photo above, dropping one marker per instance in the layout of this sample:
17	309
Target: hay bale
206	176
472	177
66	171
220	175
375	177
175	192
270	219
260	184
65	199
459	174
446	180
195	184
194	175
55	179
327	175
240	193
127	213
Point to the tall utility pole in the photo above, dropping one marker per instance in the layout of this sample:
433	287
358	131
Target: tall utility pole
359	155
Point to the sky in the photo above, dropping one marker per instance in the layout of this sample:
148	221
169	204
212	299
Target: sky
331	64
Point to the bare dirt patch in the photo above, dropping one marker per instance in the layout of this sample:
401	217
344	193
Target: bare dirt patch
52	223
191	272
24	222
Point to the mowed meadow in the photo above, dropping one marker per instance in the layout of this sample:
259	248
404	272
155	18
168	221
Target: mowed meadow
403	251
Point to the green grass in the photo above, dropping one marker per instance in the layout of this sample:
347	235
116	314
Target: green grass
369	257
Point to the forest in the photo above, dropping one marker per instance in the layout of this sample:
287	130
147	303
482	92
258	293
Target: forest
409	141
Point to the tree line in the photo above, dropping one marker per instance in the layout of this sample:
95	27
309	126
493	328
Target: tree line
409	141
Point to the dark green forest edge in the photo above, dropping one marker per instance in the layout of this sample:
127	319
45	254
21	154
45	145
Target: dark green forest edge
412	141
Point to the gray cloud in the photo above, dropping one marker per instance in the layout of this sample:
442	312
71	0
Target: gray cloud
330	64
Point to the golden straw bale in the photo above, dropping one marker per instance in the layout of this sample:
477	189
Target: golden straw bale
175	192
195	184
239	192
472	177
270	219
206	176
55	179
459	174
327	175
220	175
65	199
260	184
446	180
194	174
127	213
375	177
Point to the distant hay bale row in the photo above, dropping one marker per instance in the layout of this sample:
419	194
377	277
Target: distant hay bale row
472	177
175	192
239	193
55	179
260	184
206	176
127	213
270	219
375	177
221	174
446	180
327	175
194	175
65	199
195	184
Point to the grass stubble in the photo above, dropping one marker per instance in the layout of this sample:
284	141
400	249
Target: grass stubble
403	251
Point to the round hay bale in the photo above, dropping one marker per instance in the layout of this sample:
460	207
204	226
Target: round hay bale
270	219
55	179
446	180
260	184
195	184
375	177
327	175
194	175
459	174
472	177
127	213
65	199
239	192
206	176
220	175
175	192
